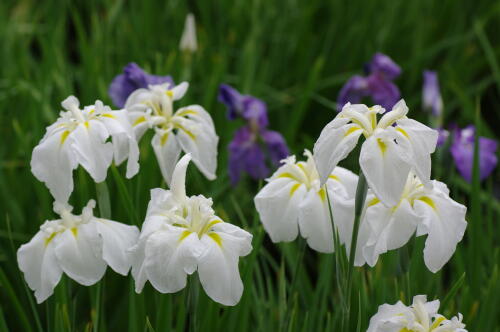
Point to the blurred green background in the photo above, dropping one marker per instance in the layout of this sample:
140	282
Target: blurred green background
293	54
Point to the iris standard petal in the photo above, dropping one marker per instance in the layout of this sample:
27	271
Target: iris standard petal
444	220
117	238
167	151
78	251
335	142
422	141
92	150
218	268
314	221
170	255
53	162
386	165
39	265
278	207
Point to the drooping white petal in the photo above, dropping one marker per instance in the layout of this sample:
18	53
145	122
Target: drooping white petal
389	228
314	221
92	151
218	267
196	135
79	253
278	206
53	162
444	221
386	165
335	142
422	141
117	238
38	262
167	151
123	139
178	184
171	254
138	251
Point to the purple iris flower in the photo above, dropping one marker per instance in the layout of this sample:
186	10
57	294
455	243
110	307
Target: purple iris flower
133	78
462	150
377	84
254	147
431	94
243	106
443	135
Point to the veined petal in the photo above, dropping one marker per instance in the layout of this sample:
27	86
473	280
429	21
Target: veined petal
91	150
278	206
78	253
314	221
197	136
444	221
167	151
38	262
170	256
423	142
386	165
218	267
117	238
53	162
335	142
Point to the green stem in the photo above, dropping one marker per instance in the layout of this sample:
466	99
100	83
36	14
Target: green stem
359	203
293	284
194	285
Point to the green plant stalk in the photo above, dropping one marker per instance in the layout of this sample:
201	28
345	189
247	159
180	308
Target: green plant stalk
361	191
194	286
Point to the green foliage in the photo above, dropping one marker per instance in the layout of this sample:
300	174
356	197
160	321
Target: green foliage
293	54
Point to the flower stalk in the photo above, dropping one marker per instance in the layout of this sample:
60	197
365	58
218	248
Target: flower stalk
361	191
194	284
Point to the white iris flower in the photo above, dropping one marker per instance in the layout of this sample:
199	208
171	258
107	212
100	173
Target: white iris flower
81	137
421	316
190	128
426	210
394	145
294	201
79	245
182	234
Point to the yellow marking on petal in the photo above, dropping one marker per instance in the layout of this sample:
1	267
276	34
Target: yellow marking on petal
301	166
169	93
74	230
50	238
184	235
164	139
108	115
351	130
428	201
438	321
405	330
180	225
382	146
294	188
186	112
140	119
217	239
64	136
402	131
91	111
209	225
334	177
86	124
373	201
190	134
322	194
287	175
